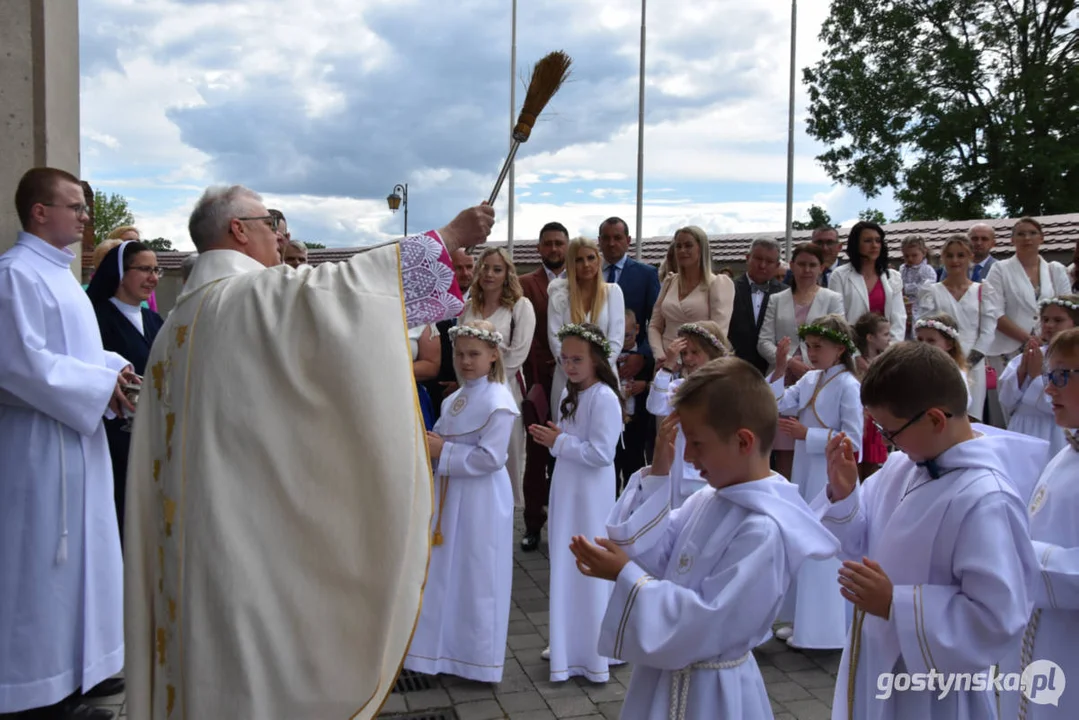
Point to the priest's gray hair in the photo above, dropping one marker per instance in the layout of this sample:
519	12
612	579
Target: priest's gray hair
188	265
218	206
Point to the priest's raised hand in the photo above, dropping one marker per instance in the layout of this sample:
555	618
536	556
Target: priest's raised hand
279	491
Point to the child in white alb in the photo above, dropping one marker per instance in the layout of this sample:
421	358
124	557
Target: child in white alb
464	622
583	439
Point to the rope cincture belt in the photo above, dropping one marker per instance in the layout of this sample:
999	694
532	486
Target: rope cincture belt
680	680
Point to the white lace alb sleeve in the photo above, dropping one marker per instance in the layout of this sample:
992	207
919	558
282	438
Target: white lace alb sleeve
431	293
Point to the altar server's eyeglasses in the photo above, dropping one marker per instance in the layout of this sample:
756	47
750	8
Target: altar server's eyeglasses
270	220
1059	377
77	208
891	435
148	269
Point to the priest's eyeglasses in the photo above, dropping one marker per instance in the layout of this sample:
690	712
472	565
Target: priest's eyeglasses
270	220
1059	377
890	435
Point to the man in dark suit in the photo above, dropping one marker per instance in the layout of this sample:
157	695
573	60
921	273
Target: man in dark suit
630	454
640	288
539	374
446	382
827	239
751	293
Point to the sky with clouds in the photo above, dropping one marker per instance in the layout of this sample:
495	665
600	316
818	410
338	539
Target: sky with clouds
323	107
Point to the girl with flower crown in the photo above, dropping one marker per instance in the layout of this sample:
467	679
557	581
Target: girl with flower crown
941	330
1022	384
696	344
826	401
463	625
582	438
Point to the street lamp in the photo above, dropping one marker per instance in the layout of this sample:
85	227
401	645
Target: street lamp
397	199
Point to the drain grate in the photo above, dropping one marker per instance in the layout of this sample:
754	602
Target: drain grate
437	714
409	681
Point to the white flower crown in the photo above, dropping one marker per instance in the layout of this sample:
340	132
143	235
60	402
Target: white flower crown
939	327
1059	302
695	329
585	334
492	338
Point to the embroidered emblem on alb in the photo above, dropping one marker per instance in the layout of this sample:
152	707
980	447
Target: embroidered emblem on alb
685	563
458	405
1038	500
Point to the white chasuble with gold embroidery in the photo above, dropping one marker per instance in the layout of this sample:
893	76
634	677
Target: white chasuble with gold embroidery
704	586
279	489
466	603
958	554
826	402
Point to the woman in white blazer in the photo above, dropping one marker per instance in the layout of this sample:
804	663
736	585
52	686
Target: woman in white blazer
867	284
1022	281
583	296
801	304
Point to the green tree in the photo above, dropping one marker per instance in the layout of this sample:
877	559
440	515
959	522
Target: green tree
159	244
873	215
958	104
314	245
818	217
110	212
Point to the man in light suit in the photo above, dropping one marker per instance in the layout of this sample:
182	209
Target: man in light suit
751	292
539	371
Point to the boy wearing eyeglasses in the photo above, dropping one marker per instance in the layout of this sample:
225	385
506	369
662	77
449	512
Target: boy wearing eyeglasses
938	560
1053	509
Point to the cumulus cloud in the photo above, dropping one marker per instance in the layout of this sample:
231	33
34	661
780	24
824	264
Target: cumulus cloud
324	107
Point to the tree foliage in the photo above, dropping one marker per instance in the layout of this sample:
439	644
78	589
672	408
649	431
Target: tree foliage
959	104
873	215
818	217
314	245
159	244
110	212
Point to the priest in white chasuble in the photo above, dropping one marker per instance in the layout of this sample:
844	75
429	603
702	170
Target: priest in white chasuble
265	577
61	573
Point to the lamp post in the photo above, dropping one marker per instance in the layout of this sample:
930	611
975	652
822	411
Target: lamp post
397	199
790	136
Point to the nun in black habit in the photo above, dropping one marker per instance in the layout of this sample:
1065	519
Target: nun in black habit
123	282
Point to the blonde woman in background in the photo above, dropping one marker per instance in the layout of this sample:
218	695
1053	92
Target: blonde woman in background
583	296
692	294
496	296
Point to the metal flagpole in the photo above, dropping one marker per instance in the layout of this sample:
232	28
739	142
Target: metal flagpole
513	121
790	136
640	140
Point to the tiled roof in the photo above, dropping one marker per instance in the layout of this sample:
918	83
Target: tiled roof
1061	236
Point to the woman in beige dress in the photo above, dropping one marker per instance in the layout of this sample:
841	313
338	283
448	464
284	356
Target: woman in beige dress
692	294
496	296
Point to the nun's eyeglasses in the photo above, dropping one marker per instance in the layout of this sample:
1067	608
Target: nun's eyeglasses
148	269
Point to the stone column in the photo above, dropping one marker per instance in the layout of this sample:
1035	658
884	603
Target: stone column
39	97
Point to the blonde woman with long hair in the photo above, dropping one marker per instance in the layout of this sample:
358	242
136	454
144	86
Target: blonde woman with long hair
692	294
496	297
584	296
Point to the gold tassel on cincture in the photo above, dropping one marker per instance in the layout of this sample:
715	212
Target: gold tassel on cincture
444	483
547	77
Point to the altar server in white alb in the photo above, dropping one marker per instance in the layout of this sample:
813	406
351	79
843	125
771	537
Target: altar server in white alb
466	602
1022	386
1054	624
266	578
61	573
697	588
697	344
824	402
939	563
583	439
